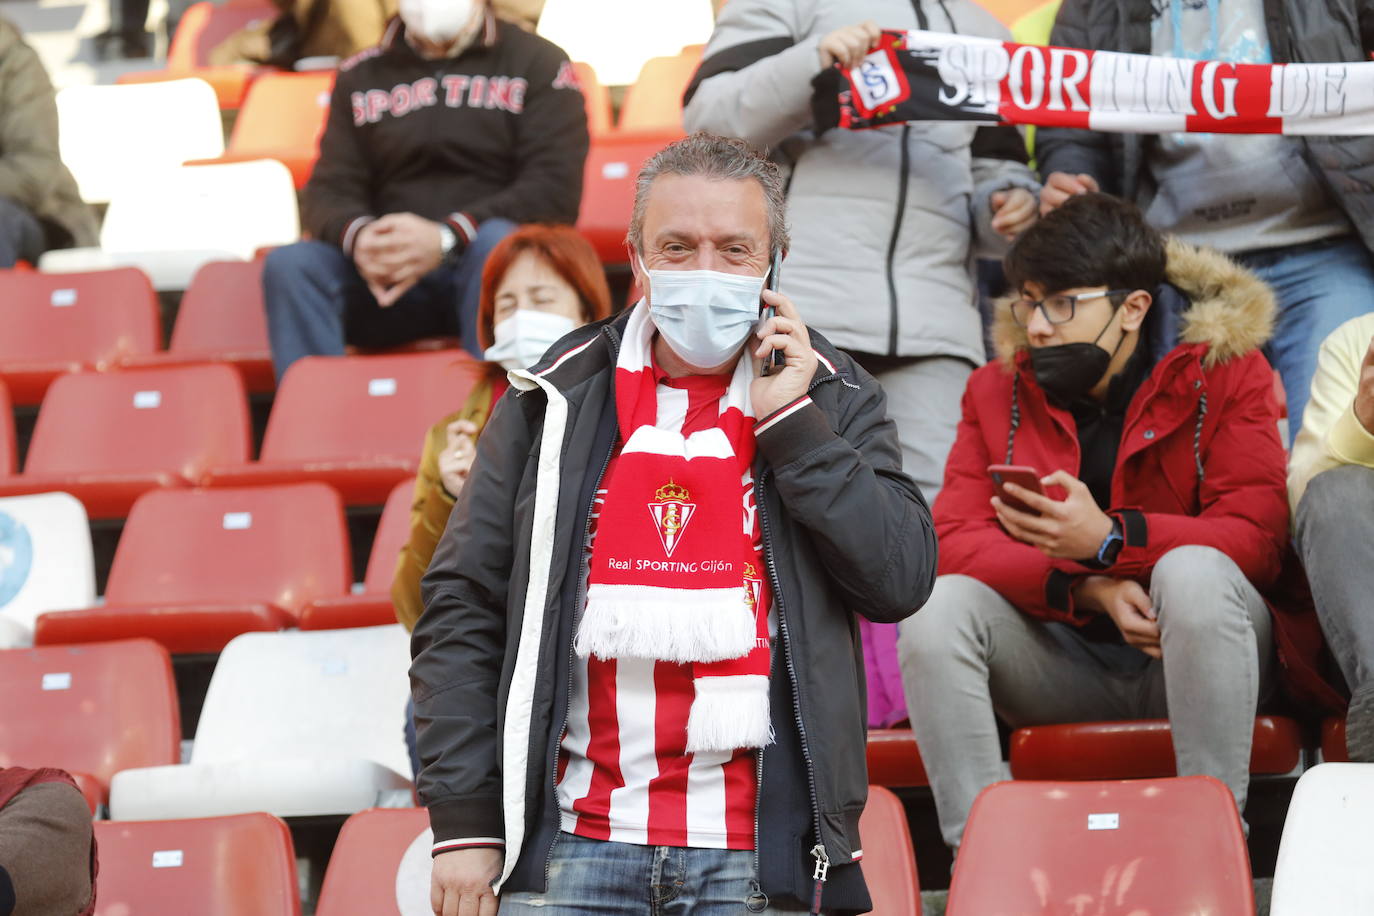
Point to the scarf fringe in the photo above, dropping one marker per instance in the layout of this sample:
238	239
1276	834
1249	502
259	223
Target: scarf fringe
729	713
669	624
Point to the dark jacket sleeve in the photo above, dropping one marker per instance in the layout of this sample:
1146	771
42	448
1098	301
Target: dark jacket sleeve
550	151
459	641
337	195
30	164
842	481
1062	149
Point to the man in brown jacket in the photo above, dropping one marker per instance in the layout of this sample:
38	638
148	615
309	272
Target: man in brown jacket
40	206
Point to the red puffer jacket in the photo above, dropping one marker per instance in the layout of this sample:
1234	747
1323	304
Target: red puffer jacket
1200	462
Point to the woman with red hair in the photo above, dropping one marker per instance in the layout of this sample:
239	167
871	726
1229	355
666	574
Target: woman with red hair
539	283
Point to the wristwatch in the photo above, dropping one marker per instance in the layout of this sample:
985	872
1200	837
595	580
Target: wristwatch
1111	547
447	240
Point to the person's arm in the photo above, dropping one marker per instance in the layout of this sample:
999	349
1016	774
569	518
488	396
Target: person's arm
1366	19
1000	168
30	163
549	154
337	201
1070	150
754	81
1333	431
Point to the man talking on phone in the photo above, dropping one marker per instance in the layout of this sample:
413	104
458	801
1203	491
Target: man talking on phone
636	678
1131	384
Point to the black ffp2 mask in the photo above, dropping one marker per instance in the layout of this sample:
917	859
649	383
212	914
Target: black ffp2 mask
1067	372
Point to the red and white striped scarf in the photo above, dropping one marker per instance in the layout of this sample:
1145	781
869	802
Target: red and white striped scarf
672	572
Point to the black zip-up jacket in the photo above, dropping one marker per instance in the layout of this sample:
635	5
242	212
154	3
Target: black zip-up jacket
845	531
1300	32
498	131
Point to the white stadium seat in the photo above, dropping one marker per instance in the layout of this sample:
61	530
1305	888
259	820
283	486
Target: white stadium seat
659	30
295	724
45	562
1324	856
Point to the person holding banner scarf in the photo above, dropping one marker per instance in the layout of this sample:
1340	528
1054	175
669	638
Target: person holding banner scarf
1298	211
636	677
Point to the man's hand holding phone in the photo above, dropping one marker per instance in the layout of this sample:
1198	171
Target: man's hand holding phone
785	333
1069	529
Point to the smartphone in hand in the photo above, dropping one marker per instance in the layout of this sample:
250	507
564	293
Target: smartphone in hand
776	359
1027	478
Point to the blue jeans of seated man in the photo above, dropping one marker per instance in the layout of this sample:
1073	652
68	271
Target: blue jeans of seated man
1319	287
21	235
624	879
317	302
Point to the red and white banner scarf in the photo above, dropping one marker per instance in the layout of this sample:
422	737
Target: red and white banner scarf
672	572
933	76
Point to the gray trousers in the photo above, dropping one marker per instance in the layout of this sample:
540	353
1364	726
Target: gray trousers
923	401
969	656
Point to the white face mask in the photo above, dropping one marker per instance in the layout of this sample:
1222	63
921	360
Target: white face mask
704	315
524	337
440	21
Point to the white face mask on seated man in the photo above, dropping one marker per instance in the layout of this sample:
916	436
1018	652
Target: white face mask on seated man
440	21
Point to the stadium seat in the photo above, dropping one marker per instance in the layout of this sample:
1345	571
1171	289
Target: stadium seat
282	119
195	568
203	26
9	453
186	216
889	861
296	724
56	323
659	29
598	96
357	422
894	760
218	866
1136	749
1333	741
117	137
91	710
654	100
373	606
109	437
45	561
608	188
1323	864
1145	846
221	320
365	864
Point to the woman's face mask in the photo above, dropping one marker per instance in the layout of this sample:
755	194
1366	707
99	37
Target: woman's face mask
441	21
525	336
704	315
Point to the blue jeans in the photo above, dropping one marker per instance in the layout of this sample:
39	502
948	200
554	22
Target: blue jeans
21	235
611	879
1319	287
317	302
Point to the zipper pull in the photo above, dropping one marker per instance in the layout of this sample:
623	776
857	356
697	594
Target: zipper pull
822	863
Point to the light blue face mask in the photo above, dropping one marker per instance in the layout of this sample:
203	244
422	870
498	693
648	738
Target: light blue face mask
704	315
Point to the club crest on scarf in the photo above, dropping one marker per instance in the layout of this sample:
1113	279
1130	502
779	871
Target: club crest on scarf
671	511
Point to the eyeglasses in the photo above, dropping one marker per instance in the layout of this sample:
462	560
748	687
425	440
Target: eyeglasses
1056	309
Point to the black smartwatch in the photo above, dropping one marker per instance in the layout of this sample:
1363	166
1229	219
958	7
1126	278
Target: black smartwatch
1110	549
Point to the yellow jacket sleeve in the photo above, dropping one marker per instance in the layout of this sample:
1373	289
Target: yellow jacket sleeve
1331	434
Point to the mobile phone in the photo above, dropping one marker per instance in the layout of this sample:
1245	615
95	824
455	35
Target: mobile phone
776	359
1027	478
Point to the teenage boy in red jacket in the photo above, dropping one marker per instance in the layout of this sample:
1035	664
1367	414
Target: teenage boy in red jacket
1130	379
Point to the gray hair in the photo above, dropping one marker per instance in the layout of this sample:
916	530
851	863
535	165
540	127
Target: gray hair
719	158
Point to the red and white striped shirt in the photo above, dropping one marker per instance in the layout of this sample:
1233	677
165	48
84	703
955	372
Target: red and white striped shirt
624	772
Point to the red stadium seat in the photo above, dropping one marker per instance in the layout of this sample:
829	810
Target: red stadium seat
1145	846
894	760
654	102
1333	742
357	422
608	188
361	880
889	861
195	569
203	26
109	437
598	96
373	607
9	459
1136	749
57	323
241	865
90	710
282	118
221	320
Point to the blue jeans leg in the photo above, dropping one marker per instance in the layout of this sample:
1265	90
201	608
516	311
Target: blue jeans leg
308	288
469	279
1319	288
21	235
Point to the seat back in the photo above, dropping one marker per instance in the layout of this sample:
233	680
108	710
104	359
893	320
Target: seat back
336	694
392	533
283	546
222	311
1033	847
1323	864
364	867
889	862
240	865
659	29
96	709
608	182
205	25
177	419
9	454
90	318
598	98
118	137
654	100
46	562
364	407
283	111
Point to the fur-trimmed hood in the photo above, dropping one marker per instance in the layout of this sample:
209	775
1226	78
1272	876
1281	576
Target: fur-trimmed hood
1206	299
